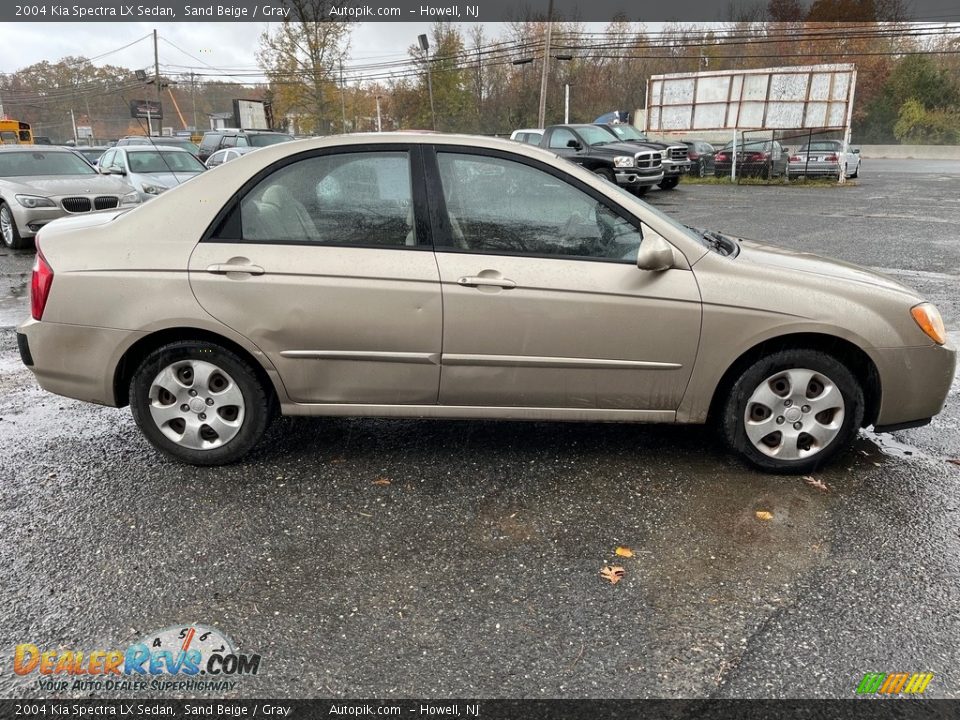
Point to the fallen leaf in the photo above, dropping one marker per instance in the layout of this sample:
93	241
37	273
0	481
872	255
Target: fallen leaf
954	461
382	481
613	573
338	460
764	515
818	484
624	551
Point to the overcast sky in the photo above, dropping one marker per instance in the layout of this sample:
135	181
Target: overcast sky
222	45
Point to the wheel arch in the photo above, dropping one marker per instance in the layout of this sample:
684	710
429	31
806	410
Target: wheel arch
844	351
135	354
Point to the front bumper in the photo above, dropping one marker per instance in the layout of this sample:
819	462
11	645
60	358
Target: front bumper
632	178
30	220
914	382
672	168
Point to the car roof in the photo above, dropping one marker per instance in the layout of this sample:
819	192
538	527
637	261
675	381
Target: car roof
34	148
147	148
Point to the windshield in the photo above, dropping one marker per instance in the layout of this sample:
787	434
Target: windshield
264	139
158	161
824	146
627	132
91	154
749	147
25	164
185	144
595	135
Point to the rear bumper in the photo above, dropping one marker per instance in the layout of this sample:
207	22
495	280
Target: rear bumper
814	168
86	372
914	383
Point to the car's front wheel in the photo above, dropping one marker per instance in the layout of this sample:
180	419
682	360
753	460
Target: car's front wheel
199	403
792	411
8	229
669	183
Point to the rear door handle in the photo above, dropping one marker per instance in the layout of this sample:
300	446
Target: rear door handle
224	268
476	281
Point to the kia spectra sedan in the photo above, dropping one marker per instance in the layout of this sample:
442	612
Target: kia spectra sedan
443	276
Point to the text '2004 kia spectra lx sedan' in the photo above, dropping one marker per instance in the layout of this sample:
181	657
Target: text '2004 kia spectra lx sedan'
443	276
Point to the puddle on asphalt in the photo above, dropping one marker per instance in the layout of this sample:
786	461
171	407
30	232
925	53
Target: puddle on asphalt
890	447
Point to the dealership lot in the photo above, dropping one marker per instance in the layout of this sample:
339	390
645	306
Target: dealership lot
416	558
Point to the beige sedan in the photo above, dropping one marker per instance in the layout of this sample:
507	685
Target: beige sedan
442	276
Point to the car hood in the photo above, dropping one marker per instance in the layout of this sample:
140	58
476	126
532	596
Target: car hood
55	186
167	179
617	148
815	265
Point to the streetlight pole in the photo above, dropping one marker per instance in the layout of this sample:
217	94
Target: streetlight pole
425	46
379	125
566	103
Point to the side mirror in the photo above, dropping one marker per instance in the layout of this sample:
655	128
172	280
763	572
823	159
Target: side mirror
655	254
855	151
575	144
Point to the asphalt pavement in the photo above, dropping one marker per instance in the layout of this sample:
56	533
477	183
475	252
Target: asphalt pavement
396	558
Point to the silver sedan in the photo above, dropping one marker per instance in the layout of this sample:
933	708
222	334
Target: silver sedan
38	185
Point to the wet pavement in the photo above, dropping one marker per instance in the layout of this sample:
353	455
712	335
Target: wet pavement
393	558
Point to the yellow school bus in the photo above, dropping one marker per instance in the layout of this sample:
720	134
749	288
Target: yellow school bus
14	132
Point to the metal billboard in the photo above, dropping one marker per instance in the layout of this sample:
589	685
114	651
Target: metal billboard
783	98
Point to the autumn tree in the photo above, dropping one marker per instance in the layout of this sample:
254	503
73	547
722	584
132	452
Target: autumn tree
301	59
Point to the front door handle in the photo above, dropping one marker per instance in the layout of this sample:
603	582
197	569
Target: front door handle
479	281
224	268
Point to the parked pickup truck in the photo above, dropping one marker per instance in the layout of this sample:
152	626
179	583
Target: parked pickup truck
629	166
675	155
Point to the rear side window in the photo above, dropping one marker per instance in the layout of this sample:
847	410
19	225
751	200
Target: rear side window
210	142
361	199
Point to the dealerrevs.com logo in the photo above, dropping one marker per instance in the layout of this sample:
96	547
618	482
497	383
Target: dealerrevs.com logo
190	658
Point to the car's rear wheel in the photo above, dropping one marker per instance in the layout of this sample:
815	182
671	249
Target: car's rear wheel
856	172
793	411
8	229
199	403
702	168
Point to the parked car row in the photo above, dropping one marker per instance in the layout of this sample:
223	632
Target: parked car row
760	158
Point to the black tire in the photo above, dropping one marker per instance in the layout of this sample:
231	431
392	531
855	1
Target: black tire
606	174
856	173
259	403
669	183
734	410
717	173
15	242
641	190
702	168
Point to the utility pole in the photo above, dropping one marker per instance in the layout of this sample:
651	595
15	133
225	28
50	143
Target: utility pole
193	97
156	75
343	101
546	68
73	122
379	125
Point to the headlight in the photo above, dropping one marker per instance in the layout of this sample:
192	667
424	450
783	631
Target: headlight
928	318
153	189
622	161
131	198
34	201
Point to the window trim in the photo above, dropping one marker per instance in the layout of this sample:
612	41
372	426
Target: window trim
439	215
422	225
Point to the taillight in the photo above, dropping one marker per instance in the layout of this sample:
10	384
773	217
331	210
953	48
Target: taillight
722	157
831	158
40	284
693	155
796	158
